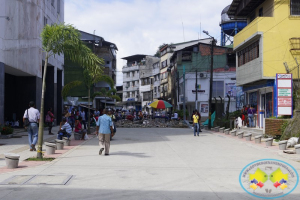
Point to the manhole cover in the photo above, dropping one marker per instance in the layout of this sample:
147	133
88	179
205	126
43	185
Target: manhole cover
49	180
17	180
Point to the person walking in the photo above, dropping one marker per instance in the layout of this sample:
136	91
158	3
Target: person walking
82	114
251	112
199	120
104	132
72	118
33	116
49	120
195	123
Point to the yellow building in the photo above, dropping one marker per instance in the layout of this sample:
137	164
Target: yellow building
271	38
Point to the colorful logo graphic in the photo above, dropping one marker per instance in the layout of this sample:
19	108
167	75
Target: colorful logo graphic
269	178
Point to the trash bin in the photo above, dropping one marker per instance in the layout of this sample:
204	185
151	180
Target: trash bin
258	139
12	160
59	144
67	141
248	136
297	148
233	133
269	142
240	135
282	145
226	131
50	148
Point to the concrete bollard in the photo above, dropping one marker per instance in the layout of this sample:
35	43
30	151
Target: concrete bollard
258	139
12	160
297	148
226	131
59	144
222	129
269	142
67	141
50	148
282	145
233	133
248	136
240	135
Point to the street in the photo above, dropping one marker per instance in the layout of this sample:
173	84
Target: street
148	164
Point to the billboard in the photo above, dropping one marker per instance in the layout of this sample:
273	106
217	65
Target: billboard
284	89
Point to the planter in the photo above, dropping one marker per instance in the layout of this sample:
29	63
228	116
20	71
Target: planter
77	136
248	136
269	142
297	148
226	131
240	135
222	129
258	139
50	148
66	141
12	160
282	145
6	136
59	144
233	133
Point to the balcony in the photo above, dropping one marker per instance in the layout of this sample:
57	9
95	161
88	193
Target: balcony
130	78
130	68
130	88
253	30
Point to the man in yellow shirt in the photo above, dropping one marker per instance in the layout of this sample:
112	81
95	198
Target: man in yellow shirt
196	123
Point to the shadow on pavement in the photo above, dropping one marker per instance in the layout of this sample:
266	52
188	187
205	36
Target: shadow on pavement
126	153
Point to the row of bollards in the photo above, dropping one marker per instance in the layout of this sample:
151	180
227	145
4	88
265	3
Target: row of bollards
12	159
241	135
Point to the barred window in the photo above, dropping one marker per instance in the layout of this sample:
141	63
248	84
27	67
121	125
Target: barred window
295	7
248	54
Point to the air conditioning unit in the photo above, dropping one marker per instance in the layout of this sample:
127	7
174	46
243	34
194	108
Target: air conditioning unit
203	75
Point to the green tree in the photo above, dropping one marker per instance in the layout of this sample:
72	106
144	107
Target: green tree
91	76
111	94
64	39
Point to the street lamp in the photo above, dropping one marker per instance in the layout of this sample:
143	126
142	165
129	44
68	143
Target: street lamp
211	78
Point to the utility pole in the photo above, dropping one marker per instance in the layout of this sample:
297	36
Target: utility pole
211	81
196	91
184	115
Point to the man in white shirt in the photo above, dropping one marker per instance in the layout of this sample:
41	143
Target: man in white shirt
82	114
33	115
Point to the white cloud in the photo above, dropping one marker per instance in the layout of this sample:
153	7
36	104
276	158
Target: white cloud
140	26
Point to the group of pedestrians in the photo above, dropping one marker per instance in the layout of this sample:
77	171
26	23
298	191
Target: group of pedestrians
247	114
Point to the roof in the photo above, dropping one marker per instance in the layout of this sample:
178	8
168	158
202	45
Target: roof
91	37
136	57
242	8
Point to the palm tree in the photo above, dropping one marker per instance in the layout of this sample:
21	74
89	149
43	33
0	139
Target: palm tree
64	39
91	76
111	94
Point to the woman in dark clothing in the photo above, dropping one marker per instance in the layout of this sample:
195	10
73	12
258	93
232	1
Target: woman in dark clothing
49	120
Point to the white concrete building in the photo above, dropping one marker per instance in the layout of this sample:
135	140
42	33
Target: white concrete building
22	57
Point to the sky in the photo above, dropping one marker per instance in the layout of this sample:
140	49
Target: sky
140	26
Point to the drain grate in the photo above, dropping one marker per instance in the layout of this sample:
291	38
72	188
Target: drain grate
37	180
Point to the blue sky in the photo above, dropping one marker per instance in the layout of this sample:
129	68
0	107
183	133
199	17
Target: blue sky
140	26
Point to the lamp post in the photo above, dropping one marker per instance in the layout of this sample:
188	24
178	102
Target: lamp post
211	78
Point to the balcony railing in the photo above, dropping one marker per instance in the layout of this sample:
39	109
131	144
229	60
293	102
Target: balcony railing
130	68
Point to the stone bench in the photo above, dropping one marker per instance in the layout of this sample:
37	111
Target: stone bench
240	135
59	144
233	133
12	160
50	148
282	145
297	148
222	129
269	142
67	141
258	139
226	131
216	129
248	136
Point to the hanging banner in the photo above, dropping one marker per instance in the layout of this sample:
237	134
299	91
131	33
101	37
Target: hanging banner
285	94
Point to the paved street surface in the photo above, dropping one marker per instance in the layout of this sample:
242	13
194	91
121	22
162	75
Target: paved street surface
147	164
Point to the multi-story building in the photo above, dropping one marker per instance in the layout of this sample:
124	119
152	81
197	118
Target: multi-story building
131	81
156	80
22	57
73	72
270	39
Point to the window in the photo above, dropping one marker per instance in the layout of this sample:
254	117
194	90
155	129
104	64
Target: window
155	88
260	12
248	54
45	21
52	3
295	7
158	89
58	6
107	62
164	64
218	89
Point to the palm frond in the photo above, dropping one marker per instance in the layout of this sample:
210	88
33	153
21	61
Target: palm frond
66	89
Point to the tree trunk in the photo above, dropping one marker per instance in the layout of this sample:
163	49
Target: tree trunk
89	111
41	124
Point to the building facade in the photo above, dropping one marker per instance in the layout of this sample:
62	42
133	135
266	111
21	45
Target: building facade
270	39
22	57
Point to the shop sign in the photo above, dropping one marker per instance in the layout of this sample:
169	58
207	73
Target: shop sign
201	91
284	94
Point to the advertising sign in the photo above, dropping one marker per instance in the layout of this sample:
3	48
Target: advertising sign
285	94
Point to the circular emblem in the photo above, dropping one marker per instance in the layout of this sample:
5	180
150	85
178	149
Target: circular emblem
269	178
